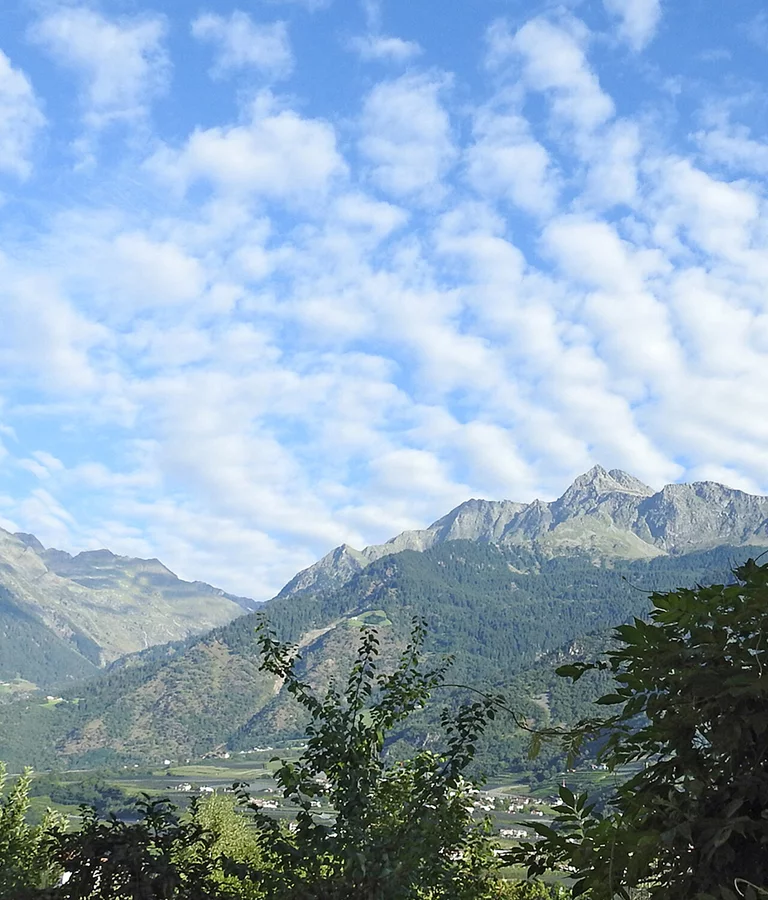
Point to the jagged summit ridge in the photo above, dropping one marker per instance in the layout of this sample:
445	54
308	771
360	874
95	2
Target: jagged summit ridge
607	513
101	605
597	482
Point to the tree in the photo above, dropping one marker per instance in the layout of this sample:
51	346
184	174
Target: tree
533	890
159	857
692	728
400	830
24	861
234	844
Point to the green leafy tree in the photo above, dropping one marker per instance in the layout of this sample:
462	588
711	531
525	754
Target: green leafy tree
401	830
691	823
24	860
533	890
233	845
159	857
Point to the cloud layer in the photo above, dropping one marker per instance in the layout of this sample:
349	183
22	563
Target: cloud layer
264	323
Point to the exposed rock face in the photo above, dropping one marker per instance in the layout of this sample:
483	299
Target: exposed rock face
105	604
604	513
334	569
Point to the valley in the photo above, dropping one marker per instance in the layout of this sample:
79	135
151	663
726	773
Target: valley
508	591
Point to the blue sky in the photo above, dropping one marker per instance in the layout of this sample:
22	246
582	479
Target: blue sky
281	275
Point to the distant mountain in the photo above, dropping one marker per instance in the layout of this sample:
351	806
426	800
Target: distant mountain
497	610
63	616
607	514
501	585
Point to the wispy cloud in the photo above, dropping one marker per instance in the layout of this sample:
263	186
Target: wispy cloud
121	62
21	120
241	43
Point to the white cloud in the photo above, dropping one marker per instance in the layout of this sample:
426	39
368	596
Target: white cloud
277	154
507	161
380	48
734	147
122	62
45	517
638	20
377	216
406	136
715	216
756	29
20	120
613	173
310	5
271	339
41	464
553	61
632	325
152	272
45	336
242	43
404	471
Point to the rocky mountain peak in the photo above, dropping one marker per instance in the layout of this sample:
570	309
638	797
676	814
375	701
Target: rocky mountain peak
96	606
29	540
597	482
605	513
630	483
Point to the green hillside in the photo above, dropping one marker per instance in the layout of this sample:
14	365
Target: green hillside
31	651
63	617
506	615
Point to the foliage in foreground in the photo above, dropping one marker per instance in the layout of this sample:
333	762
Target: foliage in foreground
157	858
401	830
692	823
25	862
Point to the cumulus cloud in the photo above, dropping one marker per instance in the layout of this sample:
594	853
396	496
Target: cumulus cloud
406	136
241	43
733	146
712	215
551	59
45	336
506	160
638	20
277	153
122	62
21	120
614	158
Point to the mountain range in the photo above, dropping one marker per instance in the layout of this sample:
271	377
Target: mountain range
506	588
64	616
607	514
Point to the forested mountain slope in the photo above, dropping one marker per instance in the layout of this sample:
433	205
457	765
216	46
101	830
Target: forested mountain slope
497	609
